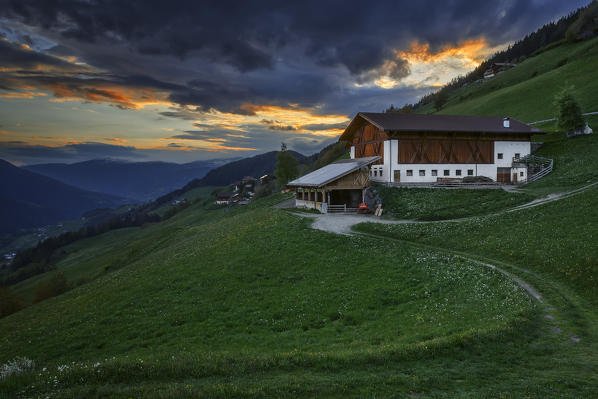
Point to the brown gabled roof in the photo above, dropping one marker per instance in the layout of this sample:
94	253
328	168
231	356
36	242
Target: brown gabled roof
395	122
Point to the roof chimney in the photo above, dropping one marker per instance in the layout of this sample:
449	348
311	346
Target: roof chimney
506	122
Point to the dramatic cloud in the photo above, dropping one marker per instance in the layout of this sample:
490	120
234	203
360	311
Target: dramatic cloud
17	56
270	70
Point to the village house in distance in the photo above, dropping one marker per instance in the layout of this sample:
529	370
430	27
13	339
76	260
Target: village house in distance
397	149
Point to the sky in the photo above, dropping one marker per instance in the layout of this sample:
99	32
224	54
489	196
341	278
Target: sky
182	81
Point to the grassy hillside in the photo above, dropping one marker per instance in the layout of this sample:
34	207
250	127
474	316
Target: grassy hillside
440	204
527	91
207	284
556	239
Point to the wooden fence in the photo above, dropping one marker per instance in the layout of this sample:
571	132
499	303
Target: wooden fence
543	166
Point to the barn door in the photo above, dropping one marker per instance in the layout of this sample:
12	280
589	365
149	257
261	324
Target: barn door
397	176
503	175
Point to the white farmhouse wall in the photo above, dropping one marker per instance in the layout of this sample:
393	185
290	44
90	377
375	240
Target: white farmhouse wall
509	149
488	170
381	173
385	172
521	174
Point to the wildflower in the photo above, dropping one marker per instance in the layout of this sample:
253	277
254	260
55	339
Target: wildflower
17	366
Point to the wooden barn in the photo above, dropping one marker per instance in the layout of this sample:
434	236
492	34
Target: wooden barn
416	148
338	186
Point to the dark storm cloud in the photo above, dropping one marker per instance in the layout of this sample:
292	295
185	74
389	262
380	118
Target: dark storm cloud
224	55
249	35
66	153
324	126
278	125
178	115
13	55
282	128
199	135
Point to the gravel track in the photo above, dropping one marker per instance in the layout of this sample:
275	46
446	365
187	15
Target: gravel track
343	223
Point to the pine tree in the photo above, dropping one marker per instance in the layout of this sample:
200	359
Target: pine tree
569	112
287	167
440	99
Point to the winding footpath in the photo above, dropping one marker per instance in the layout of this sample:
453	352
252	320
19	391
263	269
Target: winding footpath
343	224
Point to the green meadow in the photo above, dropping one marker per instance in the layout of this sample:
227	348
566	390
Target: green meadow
527	91
440	204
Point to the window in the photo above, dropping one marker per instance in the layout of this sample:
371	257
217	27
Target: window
434	172
458	172
521	174
376	173
517	155
469	172
380	172
409	172
447	172
499	155
422	172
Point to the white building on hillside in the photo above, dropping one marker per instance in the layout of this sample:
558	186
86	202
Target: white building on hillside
418	148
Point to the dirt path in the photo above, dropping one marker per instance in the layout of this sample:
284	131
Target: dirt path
342	224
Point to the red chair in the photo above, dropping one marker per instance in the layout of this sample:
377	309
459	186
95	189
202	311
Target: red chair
363	208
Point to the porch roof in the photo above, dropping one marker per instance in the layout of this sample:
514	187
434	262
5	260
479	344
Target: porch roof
332	172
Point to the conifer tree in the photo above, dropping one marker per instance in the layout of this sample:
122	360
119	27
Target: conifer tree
287	167
569	115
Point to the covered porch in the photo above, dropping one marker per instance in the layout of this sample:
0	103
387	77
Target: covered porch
337	187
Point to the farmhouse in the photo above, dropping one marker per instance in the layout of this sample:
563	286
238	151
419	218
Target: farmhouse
223	198
497	68
416	148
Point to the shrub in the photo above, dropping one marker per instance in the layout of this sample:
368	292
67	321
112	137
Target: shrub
265	190
54	287
569	117
9	302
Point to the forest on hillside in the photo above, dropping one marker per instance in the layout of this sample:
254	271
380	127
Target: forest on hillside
581	24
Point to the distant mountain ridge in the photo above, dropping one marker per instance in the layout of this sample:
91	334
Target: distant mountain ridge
139	181
28	199
255	166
